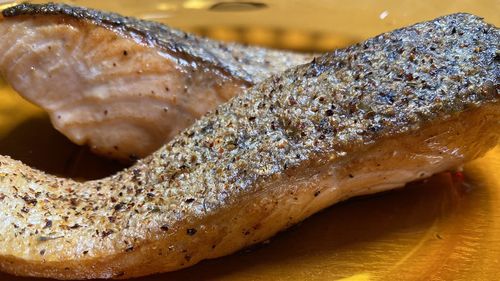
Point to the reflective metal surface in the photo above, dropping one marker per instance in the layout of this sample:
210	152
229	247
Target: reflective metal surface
445	228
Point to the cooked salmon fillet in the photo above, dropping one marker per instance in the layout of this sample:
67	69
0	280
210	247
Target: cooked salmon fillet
396	108
120	85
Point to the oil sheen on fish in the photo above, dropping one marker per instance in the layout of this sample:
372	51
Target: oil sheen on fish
396	108
120	85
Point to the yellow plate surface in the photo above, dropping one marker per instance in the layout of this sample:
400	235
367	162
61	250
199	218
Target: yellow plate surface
440	229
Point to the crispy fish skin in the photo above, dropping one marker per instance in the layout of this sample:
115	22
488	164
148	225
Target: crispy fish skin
371	117
120	85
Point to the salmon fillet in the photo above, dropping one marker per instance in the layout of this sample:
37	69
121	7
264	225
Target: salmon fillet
120	85
396	108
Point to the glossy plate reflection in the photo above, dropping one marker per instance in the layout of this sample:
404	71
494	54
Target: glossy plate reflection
444	228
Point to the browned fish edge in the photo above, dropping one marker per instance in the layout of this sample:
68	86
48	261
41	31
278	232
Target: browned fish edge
250	64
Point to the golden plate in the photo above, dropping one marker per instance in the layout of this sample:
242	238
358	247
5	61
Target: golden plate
444	228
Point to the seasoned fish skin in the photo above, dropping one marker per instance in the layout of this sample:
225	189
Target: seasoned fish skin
359	120
123	86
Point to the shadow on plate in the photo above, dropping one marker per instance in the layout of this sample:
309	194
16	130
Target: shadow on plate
36	143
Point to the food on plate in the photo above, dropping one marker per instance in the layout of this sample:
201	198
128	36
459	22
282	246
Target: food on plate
396	108
121	85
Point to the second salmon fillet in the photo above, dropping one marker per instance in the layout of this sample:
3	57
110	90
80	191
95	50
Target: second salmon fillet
121	85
